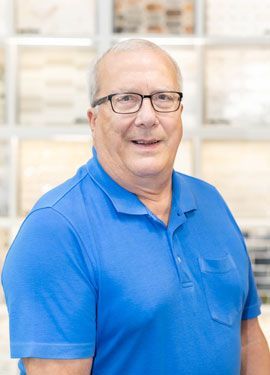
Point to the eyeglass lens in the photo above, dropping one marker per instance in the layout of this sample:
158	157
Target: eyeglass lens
129	102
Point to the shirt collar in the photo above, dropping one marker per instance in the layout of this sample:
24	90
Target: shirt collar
126	202
123	200
183	199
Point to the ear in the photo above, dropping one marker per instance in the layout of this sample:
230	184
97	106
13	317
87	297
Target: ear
92	117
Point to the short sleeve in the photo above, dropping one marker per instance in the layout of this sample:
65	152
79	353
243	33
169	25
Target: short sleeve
253	302
50	290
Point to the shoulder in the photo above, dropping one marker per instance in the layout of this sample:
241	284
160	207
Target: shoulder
63	192
208	199
54	232
52	222
196	185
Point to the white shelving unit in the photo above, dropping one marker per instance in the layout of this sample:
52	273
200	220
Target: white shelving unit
220	150
194	51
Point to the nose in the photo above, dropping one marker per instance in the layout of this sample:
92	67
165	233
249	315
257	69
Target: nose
146	116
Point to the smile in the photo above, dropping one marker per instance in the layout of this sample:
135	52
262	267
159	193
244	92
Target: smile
144	142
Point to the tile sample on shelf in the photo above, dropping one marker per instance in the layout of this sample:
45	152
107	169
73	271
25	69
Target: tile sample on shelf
258	245
186	59
43	164
2	88
3	5
53	85
241	172
4	245
4	177
237	18
56	17
237	86
154	17
184	158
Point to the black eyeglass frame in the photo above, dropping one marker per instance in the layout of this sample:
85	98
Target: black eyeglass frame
104	99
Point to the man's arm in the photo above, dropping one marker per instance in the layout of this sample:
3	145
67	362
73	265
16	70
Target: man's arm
255	357
37	366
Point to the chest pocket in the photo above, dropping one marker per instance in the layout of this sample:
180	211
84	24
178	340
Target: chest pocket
222	288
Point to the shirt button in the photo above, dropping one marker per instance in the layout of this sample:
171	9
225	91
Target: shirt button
178	259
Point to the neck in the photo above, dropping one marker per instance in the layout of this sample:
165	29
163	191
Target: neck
155	192
158	202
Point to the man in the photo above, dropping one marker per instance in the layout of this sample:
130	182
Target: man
129	267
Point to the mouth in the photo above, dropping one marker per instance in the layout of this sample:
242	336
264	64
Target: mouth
144	142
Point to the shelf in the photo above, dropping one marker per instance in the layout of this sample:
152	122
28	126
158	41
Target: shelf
44	164
40	41
55	17
226	96
237	41
241	17
244	99
193	41
162	40
220	132
177	17
241	171
22	131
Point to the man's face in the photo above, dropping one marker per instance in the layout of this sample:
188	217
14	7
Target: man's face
141	144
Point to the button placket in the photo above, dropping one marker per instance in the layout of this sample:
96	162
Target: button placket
179	263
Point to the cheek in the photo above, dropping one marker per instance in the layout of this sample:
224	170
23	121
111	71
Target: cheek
117	129
110	133
174	130
171	122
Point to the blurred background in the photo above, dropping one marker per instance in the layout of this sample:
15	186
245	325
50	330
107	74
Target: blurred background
223	50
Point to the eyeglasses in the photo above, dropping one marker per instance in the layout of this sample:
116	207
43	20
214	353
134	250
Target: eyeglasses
130	102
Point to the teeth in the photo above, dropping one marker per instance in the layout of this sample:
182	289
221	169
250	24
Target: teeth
145	142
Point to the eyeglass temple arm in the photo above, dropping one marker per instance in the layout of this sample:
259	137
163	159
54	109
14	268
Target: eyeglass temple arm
100	100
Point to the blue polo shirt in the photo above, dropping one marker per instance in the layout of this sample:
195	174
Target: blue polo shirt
93	272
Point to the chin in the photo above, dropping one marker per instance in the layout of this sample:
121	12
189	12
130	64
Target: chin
147	170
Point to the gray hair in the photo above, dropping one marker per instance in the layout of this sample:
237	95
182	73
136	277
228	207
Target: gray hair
127	45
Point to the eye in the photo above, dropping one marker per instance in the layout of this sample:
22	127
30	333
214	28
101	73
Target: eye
126	98
165	97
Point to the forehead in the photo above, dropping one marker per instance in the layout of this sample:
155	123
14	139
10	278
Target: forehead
128	69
